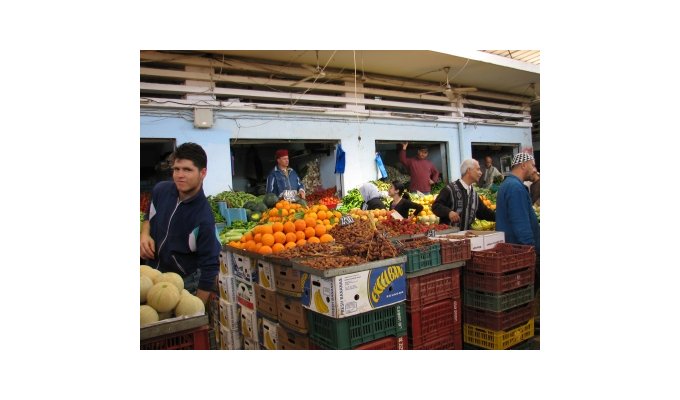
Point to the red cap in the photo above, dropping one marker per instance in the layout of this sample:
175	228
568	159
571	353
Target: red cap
281	153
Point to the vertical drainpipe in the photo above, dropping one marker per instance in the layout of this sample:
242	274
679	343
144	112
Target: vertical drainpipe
460	143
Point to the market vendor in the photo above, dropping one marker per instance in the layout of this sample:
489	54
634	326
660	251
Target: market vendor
458	203
423	173
178	231
401	201
372	198
283	178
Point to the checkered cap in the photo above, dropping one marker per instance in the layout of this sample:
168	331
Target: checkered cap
520	158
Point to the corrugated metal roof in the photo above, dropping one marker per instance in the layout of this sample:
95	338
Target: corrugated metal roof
529	56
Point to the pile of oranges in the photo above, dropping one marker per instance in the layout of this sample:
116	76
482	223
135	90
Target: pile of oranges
289	225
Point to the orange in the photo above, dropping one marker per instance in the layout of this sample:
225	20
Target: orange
249	245
310	222
289	227
300	225
277	247
257	238
256	247
266	229
301	242
321	215
274	212
312	215
277	227
300	234
327	222
291	237
279	237
290	245
319	230
279	204
268	239
265	250
256	229
248	236
313	239
309	232
325	238
337	214
323	207
243	239
284	212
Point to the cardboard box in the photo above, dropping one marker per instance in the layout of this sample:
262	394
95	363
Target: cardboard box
230	340
265	271
266	302
289	280
291	313
226	263
229	315
249	327
489	239
227	287
245	294
250	344
355	293
244	268
269	333
291	340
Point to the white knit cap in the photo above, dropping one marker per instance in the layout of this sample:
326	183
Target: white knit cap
520	158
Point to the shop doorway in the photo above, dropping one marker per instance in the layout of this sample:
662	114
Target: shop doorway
253	160
500	153
389	152
153	162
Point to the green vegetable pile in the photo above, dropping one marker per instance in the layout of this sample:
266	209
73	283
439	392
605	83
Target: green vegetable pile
215	209
235	199
235	231
437	187
351	200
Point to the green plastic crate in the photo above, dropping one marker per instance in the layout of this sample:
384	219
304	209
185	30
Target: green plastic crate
498	302
424	257
349	332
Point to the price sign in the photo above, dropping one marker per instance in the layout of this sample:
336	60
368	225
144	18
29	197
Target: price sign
346	220
431	233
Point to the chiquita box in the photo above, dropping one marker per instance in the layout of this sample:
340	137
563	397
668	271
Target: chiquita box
249	327
355	293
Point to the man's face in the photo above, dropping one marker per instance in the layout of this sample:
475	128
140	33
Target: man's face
475	172
488	162
186	175
422	154
283	162
529	170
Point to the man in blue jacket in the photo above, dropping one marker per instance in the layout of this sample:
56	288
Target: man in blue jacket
178	234
283	178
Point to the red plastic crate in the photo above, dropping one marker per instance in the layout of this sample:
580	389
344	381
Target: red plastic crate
454	250
430	288
498	321
386	343
499	283
433	321
453	341
193	339
504	257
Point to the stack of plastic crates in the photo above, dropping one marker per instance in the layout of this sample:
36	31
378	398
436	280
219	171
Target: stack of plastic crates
498	296
433	311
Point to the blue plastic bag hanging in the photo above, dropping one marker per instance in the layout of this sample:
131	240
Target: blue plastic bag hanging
381	167
339	160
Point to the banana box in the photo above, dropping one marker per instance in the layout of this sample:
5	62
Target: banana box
245	294
485	240
291	340
226	263
230	315
230	340
227	287
265	271
250	344
268	333
245	268
355	293
288	280
266	302
249	327
291	313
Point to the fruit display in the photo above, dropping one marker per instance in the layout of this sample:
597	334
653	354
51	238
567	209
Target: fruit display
426	216
235	199
359	214
483	225
351	200
236	231
316	196
394	227
162	296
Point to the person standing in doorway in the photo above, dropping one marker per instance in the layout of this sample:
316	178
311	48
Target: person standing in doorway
490	173
282	178
178	234
423	172
458	203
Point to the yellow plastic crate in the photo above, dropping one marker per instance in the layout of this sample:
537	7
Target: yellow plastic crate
497	340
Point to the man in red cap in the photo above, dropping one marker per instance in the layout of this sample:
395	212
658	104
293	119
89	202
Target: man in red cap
283	178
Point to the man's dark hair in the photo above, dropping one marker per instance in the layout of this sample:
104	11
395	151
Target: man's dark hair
193	152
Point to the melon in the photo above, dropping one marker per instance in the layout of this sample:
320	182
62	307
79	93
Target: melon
147	315
165	315
148	271
190	305
184	293
163	296
145	283
171	277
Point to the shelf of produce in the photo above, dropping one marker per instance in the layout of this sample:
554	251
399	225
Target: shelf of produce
350	269
417	235
442	267
173	325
